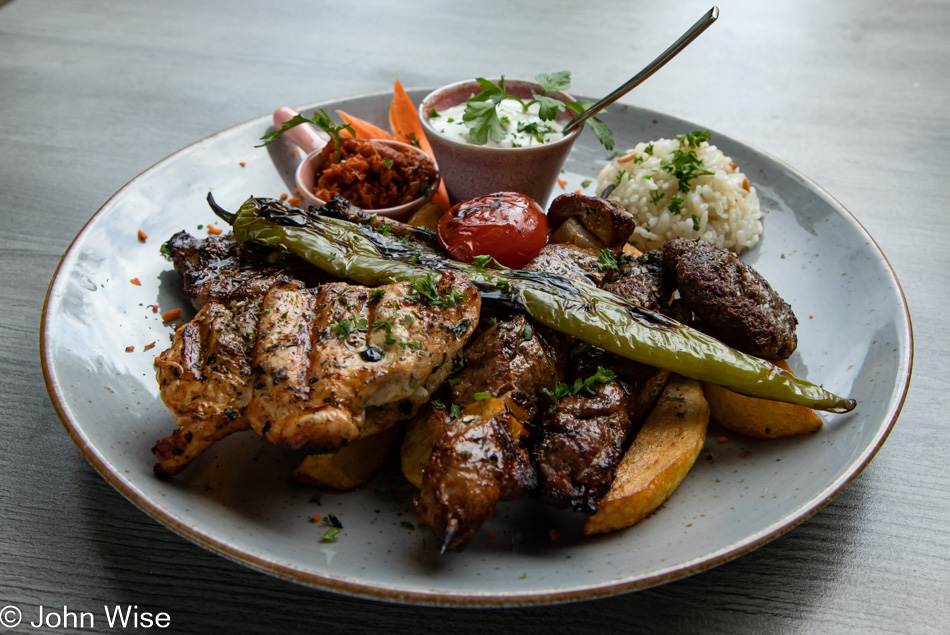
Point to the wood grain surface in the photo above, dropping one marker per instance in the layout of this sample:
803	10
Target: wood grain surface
853	94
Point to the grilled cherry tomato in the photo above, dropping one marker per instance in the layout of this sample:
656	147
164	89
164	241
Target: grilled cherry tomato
510	227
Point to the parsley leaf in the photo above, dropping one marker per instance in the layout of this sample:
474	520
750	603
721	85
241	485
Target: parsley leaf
320	119
483	122
455	412
561	80
479	396
376	296
331	535
607	260
342	328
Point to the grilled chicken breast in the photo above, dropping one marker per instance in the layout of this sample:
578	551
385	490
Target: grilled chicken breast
324	357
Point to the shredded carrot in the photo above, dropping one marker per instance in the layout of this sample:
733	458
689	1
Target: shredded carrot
295	201
577	191
148	346
136	282
811	317
283	196
723	439
142	236
214	230
554	534
168	316
404	120
129	349
316	518
154	308
294	153
492	534
562	183
241	164
363	129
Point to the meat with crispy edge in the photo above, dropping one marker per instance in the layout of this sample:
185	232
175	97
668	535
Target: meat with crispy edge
589	221
733	302
476	461
323	357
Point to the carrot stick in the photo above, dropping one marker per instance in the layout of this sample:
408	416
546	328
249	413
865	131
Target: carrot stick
363	128
404	120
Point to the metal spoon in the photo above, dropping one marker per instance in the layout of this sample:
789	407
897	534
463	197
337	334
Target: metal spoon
694	31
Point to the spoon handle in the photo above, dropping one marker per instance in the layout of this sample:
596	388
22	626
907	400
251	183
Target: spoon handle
704	23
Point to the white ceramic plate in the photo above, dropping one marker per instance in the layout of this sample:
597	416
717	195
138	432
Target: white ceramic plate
236	500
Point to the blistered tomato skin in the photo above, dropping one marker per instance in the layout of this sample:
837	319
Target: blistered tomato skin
510	227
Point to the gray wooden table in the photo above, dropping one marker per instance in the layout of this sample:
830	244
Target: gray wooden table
854	94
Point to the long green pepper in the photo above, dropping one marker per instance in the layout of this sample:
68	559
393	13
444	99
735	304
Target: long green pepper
366	256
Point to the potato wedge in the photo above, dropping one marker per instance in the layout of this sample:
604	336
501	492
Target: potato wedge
351	466
422	431
759	418
427	216
662	453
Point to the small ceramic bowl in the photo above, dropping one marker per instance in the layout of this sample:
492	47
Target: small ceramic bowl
306	137
471	170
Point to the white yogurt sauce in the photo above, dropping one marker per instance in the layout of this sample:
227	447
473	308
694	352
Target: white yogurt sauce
513	117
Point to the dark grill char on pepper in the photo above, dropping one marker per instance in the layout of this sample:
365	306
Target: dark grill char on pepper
733	302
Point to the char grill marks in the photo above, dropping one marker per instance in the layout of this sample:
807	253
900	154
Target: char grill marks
324	356
217	268
302	367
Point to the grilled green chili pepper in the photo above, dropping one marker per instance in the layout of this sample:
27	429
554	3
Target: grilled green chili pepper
371	257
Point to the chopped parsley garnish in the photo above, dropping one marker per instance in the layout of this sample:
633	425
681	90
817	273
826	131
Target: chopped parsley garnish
165	250
672	398
694	139
620	176
426	289
479	396
684	166
485	262
649	149
389	330
527	332
696	223
331	535
320	119
656	196
607	260
331	257
502	284
676	204
413	141
388	163
455	412
343	328
434	114
481	112
586	182
437	404
376	296
416	258
562	390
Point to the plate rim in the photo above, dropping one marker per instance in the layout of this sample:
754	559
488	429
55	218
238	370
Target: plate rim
469	599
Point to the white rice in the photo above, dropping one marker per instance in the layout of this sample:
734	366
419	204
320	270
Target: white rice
721	208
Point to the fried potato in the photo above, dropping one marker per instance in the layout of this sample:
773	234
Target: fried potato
662	453
422	431
351	466
759	418
427	216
